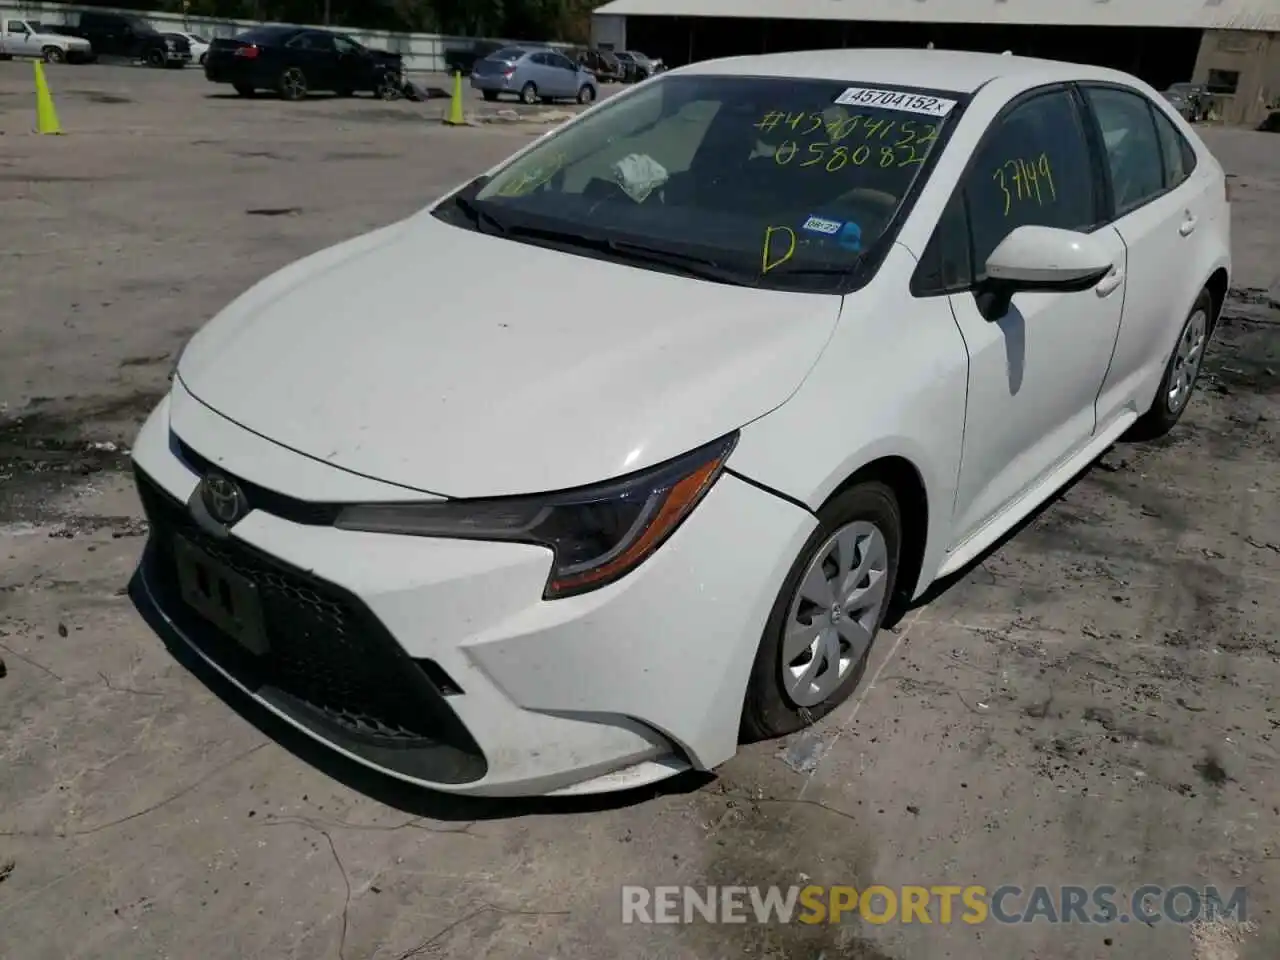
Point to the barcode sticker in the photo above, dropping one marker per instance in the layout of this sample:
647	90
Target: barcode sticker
896	100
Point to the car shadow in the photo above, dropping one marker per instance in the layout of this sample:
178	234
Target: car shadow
942	585
407	798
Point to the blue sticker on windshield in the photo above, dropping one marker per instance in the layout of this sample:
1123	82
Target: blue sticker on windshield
850	237
822	225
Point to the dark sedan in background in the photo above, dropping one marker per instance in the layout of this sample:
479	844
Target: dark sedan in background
294	61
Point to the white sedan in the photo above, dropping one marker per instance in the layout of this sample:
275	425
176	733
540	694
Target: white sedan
870	307
199	46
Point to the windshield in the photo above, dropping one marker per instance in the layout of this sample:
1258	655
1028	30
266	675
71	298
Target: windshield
775	182
507	53
138	25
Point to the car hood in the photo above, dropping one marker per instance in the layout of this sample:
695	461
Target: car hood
456	363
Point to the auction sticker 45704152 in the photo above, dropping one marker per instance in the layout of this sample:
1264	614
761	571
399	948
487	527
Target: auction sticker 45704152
896	100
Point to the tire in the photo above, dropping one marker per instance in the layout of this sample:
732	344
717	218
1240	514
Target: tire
865	517
587	94
490	95
203	58
390	87
54	55
292	84
155	58
1180	373
244	89
529	93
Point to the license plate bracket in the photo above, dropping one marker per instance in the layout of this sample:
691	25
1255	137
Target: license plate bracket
221	596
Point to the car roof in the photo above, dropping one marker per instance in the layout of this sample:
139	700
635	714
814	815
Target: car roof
960	71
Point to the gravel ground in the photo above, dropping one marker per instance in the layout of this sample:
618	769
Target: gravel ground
1093	703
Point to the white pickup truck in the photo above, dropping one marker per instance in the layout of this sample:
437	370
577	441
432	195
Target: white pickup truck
27	38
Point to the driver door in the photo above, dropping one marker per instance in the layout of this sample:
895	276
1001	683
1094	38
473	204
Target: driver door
354	66
1035	372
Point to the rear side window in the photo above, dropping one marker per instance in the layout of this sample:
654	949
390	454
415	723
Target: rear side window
1132	146
1034	168
1179	156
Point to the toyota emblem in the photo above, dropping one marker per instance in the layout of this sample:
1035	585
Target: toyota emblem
223	498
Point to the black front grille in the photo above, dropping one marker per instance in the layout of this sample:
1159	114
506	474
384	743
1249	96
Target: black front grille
330	663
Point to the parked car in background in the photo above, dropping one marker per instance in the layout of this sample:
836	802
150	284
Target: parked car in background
464	60
130	36
294	61
1192	100
606	67
533	74
199	45
636	66
30	38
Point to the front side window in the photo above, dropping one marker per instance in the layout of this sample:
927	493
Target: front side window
1131	143
770	181
1033	168
346	45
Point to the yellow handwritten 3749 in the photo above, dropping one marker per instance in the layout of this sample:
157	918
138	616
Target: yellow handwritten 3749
1027	178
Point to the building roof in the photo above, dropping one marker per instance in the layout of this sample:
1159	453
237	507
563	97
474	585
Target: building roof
1202	14
960	71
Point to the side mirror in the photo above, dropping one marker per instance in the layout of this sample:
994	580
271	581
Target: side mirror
1045	259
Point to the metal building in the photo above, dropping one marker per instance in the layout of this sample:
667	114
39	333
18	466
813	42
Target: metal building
1232	46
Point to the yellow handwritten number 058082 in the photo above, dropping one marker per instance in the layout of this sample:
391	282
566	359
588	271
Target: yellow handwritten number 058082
834	157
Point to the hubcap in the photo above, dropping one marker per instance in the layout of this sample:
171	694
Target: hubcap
1186	360
834	613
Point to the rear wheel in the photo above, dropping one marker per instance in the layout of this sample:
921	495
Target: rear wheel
819	634
244	89
54	55
293	84
529	93
1180	373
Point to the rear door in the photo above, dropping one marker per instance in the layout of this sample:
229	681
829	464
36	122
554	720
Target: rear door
1159	201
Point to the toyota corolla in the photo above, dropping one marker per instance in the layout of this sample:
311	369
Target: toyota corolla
869	308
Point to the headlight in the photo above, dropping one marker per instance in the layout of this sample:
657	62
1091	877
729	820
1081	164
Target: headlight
597	534
170	44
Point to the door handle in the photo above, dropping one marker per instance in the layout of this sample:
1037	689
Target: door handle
1110	283
1188	226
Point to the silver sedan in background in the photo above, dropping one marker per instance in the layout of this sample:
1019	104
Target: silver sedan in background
533	74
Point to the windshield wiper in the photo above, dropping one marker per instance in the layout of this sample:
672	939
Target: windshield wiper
478	216
688	264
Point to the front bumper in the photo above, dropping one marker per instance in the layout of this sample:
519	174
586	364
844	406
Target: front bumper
437	662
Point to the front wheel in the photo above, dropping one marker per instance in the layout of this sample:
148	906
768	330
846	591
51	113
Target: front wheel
820	631
54	55
390	87
293	84
203	58
1180	373
529	93
587	94
155	58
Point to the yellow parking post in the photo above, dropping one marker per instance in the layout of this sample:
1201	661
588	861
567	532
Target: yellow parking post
46	113
455	117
